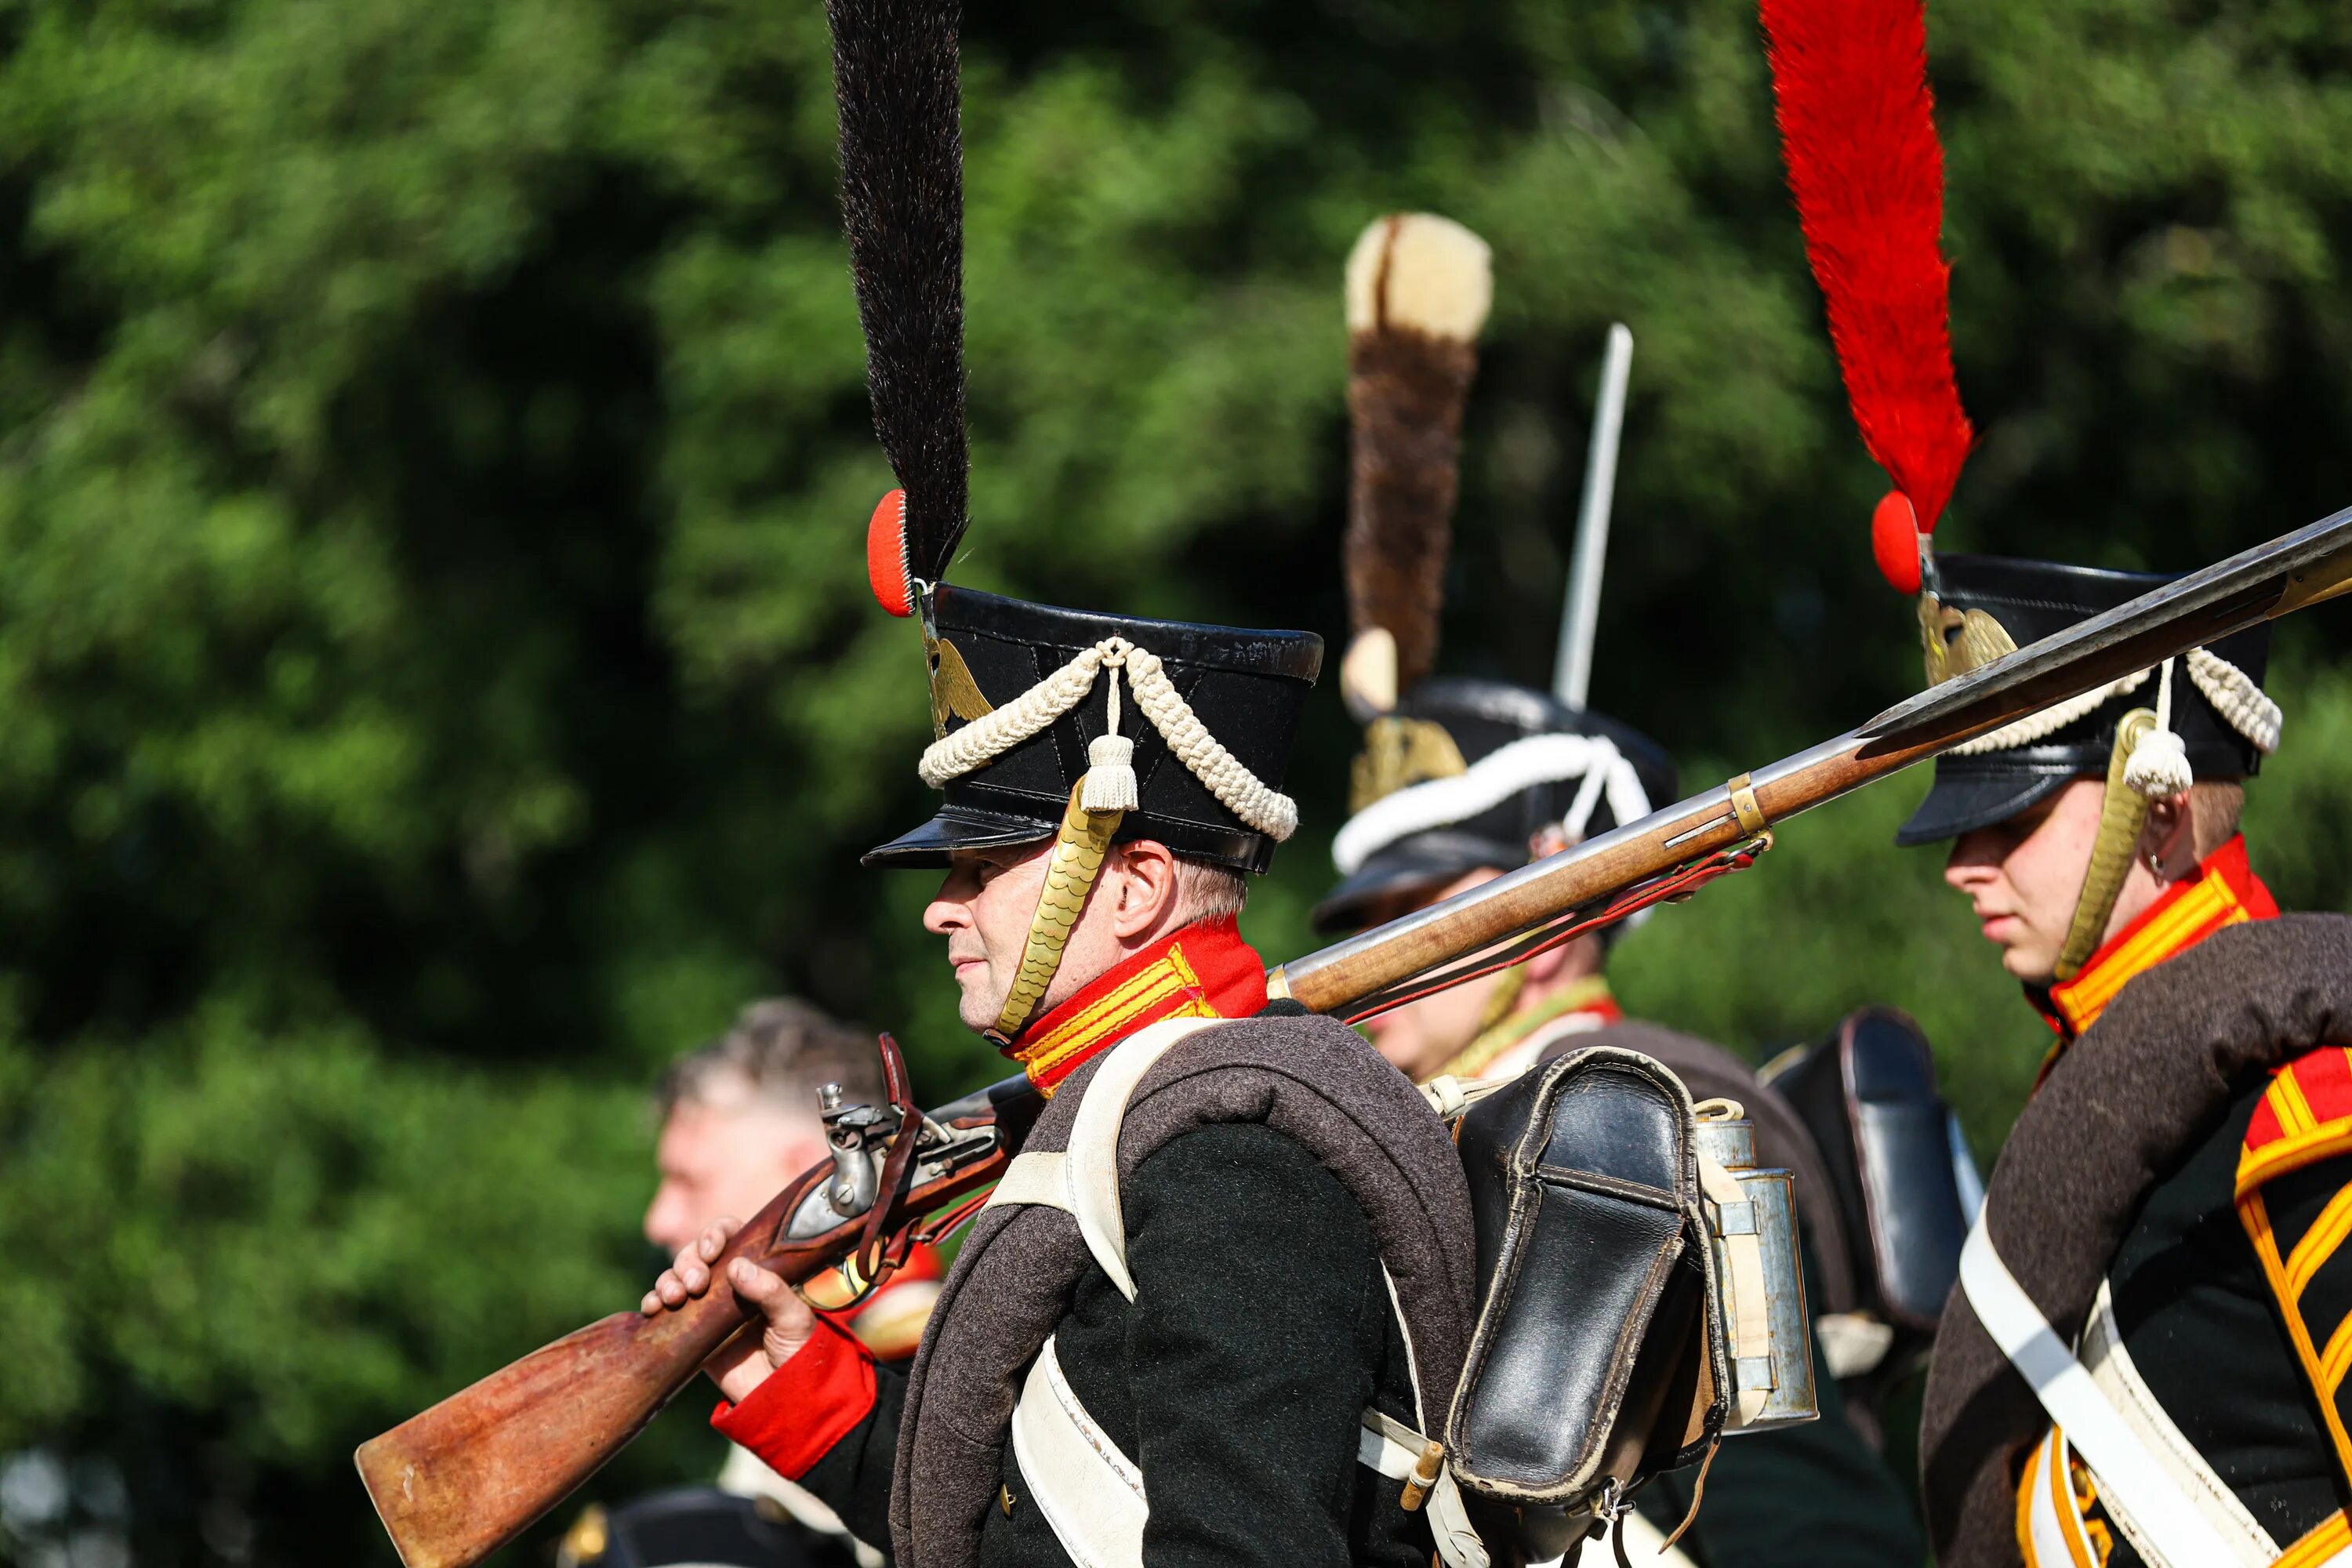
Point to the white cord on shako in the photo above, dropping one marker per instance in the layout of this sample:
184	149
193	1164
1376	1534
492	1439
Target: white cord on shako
1111	776
1492	779
2231	691
2234	696
2159	767
2049	721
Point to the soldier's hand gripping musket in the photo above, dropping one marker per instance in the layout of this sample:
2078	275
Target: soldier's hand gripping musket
1124	1365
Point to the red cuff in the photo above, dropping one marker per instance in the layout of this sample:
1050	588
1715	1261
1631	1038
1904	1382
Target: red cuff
804	1406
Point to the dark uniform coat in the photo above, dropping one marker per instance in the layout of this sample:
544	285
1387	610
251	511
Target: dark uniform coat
2191	1153
1261	1327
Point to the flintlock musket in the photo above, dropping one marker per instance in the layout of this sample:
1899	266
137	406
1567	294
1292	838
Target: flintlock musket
465	1477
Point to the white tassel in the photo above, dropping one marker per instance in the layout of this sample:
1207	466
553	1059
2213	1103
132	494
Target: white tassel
1111	779
1110	784
1111	776
2158	768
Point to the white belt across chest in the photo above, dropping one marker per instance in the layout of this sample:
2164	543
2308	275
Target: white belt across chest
2156	1487
1090	1493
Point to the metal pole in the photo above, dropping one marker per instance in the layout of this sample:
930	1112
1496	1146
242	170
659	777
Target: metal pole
1572	674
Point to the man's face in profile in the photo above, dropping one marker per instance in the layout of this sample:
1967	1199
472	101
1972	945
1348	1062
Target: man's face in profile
724	1153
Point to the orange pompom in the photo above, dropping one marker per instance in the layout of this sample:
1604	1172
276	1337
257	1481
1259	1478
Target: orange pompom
885	555
1895	541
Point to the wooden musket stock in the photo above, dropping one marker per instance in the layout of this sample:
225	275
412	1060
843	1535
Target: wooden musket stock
457	1482
462	1479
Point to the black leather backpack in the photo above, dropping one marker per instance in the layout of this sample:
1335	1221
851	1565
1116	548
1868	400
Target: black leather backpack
1596	1359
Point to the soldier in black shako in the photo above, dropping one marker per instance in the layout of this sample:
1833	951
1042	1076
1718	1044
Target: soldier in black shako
1461	780
2145	1362
1127	1363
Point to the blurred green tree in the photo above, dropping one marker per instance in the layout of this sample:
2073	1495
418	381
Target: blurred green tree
437	680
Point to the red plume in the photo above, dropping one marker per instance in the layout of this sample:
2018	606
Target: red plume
1849	77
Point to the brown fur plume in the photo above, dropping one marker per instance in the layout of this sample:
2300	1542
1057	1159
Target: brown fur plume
1418	290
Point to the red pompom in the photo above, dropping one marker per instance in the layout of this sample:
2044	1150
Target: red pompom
1895	541
885	555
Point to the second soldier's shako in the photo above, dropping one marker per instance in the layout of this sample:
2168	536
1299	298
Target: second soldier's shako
1465	773
1456	774
1866	170
1068	726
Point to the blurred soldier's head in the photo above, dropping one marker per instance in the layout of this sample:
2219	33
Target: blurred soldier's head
1460	782
738	1116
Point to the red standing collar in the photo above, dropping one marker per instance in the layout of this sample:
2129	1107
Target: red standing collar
1204	970
2224	892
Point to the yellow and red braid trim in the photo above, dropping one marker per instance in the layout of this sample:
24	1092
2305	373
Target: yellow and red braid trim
2293	1196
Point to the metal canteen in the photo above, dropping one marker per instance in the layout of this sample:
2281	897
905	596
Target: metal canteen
1775	1388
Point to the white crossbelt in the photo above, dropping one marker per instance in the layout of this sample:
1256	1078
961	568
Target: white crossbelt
1644	1544
1090	1493
2170	1530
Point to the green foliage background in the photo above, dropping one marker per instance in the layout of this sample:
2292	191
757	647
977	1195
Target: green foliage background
437	682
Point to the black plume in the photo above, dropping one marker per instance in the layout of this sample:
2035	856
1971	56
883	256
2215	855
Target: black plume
895	70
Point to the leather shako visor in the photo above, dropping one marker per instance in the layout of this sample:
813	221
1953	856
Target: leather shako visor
1247	688
934	842
1412	869
1965	799
2030	600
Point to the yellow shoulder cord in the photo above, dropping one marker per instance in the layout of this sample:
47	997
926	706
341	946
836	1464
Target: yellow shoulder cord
1495	1038
2123	814
1079	844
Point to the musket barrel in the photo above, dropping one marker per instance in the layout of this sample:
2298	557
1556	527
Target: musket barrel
1518	901
2302	568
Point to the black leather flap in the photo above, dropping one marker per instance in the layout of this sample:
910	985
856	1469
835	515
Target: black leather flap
1869	1094
1584	1188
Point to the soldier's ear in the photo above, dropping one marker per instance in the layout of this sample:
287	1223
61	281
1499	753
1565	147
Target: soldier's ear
2166	844
1144	877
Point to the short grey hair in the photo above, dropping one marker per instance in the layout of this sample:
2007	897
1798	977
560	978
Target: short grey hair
1206	890
781	1050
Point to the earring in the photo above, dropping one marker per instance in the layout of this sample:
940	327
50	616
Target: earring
2155	862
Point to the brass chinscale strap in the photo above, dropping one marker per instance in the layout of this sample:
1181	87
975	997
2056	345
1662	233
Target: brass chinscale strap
1079	844
2122	816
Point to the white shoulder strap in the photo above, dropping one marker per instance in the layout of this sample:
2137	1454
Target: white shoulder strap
2131	1479
1093	1496
1084	1182
1089	1493
2101	1349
